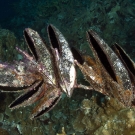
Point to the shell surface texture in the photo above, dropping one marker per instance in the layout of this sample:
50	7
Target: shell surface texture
111	71
42	77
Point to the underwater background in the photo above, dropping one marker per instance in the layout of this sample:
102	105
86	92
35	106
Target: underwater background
84	113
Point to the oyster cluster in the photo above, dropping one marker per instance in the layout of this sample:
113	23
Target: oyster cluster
42	76
111	71
50	71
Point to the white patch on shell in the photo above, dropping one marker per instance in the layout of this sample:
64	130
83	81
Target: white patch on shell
15	82
92	77
20	68
72	76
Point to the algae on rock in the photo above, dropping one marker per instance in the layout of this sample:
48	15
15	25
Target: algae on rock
110	118
7	45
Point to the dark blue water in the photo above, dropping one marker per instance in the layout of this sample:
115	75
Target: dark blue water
6	9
